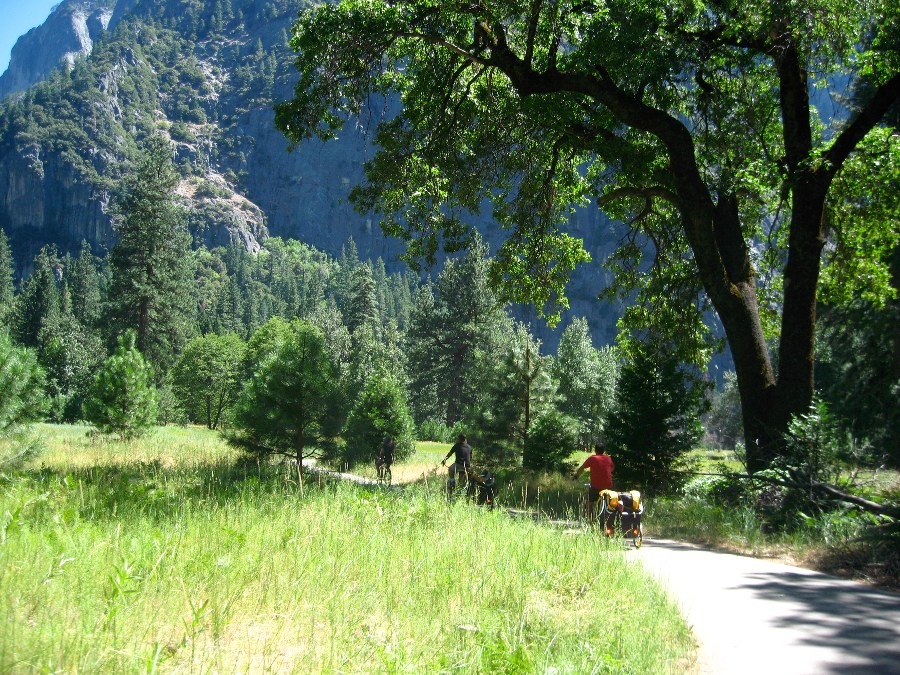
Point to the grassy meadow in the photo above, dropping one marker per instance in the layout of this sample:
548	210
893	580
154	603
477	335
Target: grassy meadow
169	554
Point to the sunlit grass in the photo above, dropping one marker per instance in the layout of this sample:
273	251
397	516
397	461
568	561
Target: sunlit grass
122	557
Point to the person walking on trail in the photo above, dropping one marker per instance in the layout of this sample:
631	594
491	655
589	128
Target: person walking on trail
462	463
601	467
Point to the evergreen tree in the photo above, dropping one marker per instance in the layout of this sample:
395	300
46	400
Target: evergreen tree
552	439
517	389
292	406
38	301
152	289
586	381
380	410
71	354
446	330
84	285
656	420
362	304
21	387
122	399
7	282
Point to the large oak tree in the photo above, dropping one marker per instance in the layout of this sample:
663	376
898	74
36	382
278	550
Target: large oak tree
696	121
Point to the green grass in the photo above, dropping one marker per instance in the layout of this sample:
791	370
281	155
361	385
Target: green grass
168	555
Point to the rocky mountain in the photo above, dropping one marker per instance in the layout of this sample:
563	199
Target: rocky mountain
98	76
69	32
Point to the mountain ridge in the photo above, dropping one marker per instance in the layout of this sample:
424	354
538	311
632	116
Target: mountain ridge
207	75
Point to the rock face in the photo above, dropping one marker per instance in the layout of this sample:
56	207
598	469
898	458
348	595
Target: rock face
68	33
211	89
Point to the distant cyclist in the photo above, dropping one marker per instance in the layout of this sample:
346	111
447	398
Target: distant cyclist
462	463
385	457
601	467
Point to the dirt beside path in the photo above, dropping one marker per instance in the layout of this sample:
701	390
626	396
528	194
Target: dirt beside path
758	616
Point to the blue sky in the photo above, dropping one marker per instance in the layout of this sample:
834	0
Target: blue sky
17	17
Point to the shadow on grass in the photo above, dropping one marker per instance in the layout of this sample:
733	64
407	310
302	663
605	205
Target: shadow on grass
151	489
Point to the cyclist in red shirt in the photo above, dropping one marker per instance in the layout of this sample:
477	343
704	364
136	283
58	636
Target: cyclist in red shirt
601	467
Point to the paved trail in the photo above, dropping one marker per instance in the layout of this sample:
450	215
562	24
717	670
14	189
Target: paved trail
759	616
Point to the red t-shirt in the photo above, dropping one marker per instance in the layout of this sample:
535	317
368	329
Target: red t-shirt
601	467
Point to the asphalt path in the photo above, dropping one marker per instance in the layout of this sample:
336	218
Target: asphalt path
751	615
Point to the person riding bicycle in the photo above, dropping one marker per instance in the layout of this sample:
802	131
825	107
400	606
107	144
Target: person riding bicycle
462	463
386	454
601	467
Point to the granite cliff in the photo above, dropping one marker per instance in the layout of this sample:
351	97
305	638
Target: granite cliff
84	88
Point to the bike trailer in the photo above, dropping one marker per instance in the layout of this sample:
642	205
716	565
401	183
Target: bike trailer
620	513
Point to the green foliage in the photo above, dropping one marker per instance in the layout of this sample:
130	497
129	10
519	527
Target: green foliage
207	377
705	145
517	389
723	424
7	285
292	405
380	410
817	452
586	381
38	300
152	290
656	421
21	387
122	399
84	285
450	322
551	441
71	354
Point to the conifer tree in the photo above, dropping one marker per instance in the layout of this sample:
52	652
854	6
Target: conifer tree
292	405
84	286
152	290
447	328
21	387
586	381
38	301
122	399
381	409
362	304
656	420
7	283
517	389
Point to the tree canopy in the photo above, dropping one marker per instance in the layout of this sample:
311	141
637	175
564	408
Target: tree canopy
707	126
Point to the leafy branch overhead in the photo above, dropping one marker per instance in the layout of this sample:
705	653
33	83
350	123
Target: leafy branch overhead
698	122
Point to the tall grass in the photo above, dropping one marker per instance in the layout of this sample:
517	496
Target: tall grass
148	557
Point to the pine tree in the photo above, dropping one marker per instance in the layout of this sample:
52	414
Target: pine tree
7	283
292	405
122	399
656	420
362	305
586	381
21	387
517	389
152	289
84	286
446	330
380	410
38	301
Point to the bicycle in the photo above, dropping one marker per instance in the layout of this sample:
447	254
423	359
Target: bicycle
382	473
